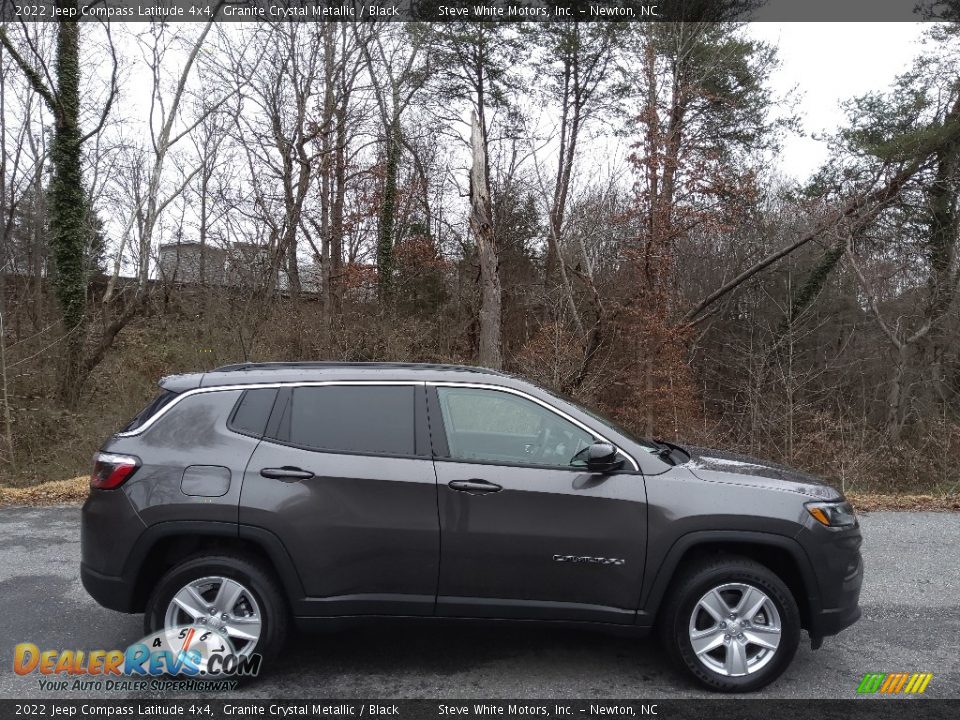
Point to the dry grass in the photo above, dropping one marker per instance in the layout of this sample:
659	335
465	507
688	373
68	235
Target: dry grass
867	502
55	492
74	491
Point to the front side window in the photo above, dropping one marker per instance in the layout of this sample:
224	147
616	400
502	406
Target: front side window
351	418
647	445
494	426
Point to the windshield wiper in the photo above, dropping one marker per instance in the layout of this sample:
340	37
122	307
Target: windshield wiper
665	452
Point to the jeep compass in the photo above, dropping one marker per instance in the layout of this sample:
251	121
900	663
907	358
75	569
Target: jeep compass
264	496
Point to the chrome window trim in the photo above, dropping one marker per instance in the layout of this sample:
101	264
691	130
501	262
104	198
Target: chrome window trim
256	386
542	403
326	383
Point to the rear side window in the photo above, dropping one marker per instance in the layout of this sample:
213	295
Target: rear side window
252	412
352	419
159	402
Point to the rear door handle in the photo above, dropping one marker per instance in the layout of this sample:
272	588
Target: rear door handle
475	487
286	473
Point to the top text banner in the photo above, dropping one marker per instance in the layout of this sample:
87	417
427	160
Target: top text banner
489	11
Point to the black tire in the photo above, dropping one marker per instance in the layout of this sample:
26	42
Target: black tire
261	582
687	590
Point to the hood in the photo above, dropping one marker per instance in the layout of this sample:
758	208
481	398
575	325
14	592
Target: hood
727	467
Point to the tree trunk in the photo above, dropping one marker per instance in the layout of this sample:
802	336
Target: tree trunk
388	214
4	245
293	269
337	210
326	129
204	182
561	183
481	214
68	209
896	394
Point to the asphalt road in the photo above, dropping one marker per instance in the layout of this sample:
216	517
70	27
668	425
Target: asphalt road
911	623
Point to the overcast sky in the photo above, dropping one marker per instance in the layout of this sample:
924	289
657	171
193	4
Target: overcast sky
830	63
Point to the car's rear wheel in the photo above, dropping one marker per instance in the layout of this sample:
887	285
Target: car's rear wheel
732	623
230	595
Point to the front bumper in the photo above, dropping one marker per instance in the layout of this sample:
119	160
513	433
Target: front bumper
838	565
832	621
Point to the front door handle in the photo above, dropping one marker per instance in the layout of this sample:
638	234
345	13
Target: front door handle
475	487
286	473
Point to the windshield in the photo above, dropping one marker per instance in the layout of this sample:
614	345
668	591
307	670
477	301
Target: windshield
647	445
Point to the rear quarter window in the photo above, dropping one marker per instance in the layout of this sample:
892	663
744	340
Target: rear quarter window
250	415
156	405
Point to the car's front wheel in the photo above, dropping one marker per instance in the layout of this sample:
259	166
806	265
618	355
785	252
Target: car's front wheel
732	623
230	595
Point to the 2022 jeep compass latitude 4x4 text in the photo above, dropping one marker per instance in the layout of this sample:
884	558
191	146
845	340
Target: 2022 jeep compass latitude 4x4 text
259	496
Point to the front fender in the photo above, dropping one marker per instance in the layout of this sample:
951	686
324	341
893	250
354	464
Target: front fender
659	577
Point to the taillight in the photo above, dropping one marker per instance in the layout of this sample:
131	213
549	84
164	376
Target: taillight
111	471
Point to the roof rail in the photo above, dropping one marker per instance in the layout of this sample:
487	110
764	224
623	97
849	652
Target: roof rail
331	364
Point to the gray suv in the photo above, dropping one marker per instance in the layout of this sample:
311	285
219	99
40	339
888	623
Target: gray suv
258	497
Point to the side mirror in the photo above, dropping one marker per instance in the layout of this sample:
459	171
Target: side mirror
602	458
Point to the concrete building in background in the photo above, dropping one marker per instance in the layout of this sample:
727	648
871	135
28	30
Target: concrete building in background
247	264
237	265
192	263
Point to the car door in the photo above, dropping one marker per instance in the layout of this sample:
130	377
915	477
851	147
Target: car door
344	478
526	532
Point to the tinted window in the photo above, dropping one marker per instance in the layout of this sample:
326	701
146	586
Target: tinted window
342	418
252	411
603	420
150	410
494	426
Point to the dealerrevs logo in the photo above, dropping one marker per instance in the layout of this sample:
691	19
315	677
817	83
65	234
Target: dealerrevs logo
187	651
894	683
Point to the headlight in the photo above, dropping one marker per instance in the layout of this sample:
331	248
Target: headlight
832	514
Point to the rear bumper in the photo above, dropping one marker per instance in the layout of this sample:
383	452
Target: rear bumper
114	593
109	529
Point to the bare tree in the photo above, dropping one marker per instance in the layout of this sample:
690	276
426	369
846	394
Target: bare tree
475	64
481	222
397	71
70	211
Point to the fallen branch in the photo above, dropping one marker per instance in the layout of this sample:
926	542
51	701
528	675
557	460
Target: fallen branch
869	204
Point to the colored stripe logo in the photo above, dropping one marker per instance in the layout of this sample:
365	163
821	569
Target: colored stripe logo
894	683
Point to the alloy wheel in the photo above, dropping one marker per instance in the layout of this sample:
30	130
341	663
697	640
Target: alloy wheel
222	604
735	629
